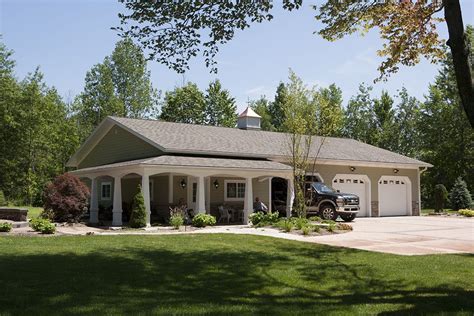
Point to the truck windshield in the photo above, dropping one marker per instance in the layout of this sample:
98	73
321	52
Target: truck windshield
321	187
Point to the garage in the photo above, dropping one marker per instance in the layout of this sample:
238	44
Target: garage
394	196
356	184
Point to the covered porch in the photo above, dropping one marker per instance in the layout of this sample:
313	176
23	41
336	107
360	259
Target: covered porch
203	184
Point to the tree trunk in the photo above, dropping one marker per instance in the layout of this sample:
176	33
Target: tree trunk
460	54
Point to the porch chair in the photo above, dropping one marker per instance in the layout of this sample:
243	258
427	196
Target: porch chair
223	214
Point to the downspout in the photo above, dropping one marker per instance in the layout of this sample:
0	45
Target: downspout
419	187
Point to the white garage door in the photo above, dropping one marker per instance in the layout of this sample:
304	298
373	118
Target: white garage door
355	184
393	196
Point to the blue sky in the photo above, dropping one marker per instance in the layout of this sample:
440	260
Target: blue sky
67	37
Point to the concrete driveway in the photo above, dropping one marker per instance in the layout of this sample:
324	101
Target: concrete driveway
408	235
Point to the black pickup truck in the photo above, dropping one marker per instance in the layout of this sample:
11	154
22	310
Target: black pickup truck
327	203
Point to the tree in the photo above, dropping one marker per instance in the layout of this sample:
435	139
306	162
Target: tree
386	131
329	111
184	105
261	106
460	196
406	120
300	125
119	86
176	31
220	108
359	117
440	197
36	128
138	217
276	107
66	198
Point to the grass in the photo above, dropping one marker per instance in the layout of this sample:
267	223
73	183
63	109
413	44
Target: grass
33	211
223	274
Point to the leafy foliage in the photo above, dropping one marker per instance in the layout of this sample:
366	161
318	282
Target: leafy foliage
260	219
184	105
467	213
3	201
460	197
5	227
261	106
203	220
176	31
440	197
138	216
176	221
66	197
43	226
220	108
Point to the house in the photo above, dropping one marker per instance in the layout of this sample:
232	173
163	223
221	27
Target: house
207	166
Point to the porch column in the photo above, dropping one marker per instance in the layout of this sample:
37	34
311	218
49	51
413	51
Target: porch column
270	194
290	196
170	189
248	200
146	196
117	207
94	203
200	196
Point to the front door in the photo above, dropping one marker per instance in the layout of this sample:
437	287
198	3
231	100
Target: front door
192	193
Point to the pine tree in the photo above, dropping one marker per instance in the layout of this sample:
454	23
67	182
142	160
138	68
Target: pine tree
276	108
460	196
138	216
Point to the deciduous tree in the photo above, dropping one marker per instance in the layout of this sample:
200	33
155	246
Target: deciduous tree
184	105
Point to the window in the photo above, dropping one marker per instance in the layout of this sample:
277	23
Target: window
106	190
194	191
234	190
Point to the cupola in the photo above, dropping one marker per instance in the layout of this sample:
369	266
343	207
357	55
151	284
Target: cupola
248	119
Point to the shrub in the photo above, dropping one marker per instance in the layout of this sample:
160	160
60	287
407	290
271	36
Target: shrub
467	213
3	201
43	226
176	221
5	227
331	228
306	230
315	219
256	218
344	226
299	222
138	216
460	197
285	224
67	197
328	221
261	219
203	220
316	228
440	197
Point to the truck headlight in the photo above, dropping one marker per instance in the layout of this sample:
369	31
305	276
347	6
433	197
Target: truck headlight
340	202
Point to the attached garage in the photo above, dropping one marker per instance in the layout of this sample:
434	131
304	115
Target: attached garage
357	184
394	196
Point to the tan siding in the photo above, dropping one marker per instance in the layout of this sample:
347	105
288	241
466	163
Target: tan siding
260	189
178	191
116	146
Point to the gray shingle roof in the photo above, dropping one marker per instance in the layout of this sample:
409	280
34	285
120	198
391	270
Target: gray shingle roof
211	140
180	161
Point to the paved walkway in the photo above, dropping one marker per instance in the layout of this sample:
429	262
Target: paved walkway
408	235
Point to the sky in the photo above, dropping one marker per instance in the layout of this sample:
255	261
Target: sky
65	38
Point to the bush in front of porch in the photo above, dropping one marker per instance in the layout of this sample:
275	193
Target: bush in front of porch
138	216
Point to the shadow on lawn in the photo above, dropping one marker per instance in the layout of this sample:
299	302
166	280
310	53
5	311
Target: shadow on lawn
209	282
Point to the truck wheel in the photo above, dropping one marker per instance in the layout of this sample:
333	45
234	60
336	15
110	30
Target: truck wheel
328	212
348	217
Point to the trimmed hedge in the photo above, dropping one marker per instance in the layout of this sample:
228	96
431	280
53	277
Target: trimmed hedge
203	220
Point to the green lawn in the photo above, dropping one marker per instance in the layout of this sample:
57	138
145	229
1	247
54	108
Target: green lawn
33	212
223	274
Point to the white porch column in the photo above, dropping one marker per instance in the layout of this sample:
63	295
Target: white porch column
146	196
200	196
94	203
170	189
270	194
248	200
117	207
290	196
